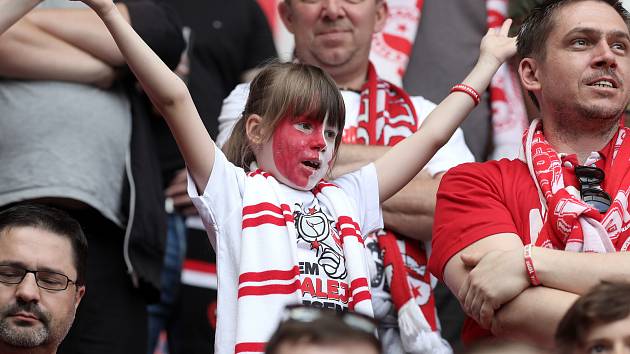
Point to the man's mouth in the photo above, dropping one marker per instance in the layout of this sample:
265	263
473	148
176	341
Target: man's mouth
25	316
604	83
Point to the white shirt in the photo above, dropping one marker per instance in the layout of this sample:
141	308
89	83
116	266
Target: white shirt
220	207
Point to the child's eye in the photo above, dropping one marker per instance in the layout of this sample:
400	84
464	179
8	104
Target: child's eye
331	134
304	126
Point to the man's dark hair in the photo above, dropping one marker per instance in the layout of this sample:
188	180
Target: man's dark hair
53	220
532	36
327	330
534	31
605	303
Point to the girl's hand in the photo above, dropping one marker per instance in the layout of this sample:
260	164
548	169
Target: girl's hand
496	47
101	7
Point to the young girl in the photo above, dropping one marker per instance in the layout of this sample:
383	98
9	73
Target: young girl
281	233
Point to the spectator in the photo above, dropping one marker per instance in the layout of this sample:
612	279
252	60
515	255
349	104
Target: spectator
336	36
306	329
598	322
575	64
37	312
67	139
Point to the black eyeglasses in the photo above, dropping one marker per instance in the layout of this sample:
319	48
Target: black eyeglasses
303	313
48	280
590	179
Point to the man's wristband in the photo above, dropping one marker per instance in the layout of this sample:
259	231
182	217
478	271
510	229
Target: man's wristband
529	265
467	90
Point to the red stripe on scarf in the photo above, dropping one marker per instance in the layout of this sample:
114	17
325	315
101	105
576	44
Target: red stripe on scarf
259	172
257	208
258	347
358	283
347	220
321	185
360	296
350	232
269	275
272	289
266	219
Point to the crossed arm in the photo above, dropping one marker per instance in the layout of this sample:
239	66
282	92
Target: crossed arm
491	283
13	11
61	45
72	44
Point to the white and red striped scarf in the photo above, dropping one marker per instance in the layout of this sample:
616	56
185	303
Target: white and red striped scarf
269	276
570	223
387	116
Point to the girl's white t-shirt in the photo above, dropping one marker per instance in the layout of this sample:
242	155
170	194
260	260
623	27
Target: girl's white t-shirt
323	276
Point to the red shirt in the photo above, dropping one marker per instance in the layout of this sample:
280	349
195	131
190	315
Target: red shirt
477	200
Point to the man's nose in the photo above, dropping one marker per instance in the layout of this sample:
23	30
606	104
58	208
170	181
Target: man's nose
27	290
605	57
333	9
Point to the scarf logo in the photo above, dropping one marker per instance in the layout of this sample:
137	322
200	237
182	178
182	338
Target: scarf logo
315	228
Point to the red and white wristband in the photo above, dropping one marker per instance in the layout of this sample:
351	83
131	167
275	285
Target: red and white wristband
529	265
467	90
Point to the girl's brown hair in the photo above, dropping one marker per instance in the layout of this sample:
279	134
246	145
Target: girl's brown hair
285	90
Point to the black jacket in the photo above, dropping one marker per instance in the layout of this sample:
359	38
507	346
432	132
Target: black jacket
157	24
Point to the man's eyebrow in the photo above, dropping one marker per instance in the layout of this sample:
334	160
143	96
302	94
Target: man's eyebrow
584	30
23	265
619	34
13	263
594	32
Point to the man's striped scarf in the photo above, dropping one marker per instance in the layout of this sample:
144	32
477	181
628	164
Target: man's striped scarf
386	117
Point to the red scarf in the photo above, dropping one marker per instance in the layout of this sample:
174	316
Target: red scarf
387	116
570	223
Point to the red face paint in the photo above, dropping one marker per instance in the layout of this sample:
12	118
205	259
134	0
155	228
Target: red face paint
301	150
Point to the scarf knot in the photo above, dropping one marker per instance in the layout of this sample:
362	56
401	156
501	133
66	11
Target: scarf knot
570	223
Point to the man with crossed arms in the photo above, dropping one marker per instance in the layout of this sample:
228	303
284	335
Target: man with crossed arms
568	192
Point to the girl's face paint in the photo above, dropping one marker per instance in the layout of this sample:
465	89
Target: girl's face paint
299	152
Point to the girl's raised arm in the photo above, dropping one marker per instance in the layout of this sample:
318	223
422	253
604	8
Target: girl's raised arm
404	160
166	90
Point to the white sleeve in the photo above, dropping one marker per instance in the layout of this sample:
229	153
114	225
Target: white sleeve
453	153
222	200
361	186
231	111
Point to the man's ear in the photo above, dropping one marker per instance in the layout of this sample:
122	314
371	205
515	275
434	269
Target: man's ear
381	15
253	128
286	14
529	71
78	296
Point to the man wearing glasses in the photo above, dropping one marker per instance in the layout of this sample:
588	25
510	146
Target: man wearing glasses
42	274
519	241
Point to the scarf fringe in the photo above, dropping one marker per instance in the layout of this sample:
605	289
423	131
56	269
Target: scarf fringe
416	334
